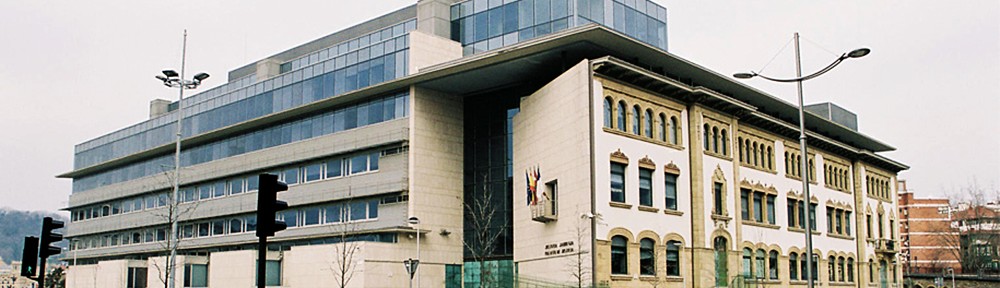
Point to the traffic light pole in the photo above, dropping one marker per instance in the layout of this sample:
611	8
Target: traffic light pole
261	261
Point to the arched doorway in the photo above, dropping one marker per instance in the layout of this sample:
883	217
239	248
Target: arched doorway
883	269
721	262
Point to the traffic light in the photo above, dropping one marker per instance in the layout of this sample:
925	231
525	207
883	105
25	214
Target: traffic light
48	238
268	205
29	260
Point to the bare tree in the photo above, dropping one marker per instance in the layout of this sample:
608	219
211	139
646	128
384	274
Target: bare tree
578	266
173	211
344	265
483	228
977	227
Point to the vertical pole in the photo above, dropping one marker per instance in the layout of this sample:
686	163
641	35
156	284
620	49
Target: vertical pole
417	269
261	261
173	217
804	174
41	270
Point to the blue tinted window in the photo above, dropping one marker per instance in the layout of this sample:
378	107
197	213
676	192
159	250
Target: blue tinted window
290	217
333	168
312	172
359	164
481	25
373	161
333	213
542	11
358	211
292	176
373	209
252	183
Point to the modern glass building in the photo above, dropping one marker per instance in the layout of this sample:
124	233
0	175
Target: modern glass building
531	152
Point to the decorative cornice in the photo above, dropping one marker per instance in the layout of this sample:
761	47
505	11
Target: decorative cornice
672	168
620	157
645	162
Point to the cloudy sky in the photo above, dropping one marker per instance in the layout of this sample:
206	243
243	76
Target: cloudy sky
71	71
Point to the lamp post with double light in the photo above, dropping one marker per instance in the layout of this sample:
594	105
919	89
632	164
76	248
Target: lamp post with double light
172	79
804	172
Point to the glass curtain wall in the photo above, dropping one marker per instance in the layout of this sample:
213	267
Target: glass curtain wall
482	25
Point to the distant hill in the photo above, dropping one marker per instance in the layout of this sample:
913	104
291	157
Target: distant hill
14	225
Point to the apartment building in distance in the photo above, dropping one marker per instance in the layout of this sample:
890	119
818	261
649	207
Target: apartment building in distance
929	242
603	159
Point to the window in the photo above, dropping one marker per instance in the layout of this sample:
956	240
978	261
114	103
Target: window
847	223
607	112
812	216
770	209
645	187
793	271
747	263
333	213
725	142
453	272
635	119
670	183
663	127
203	229
235	226
617	182
373	161
840	269
869	226
359	163
291	176
829	219
772	265
272	272
758	207
619	256
674	131
831	268
745	203
195	275
136	277
647	128
310	216
312	172
715	140
717	188
707	141
850	270
803	268
871	271
236	186
334	168
647	260
219	227
621	116
673	258
839	220
358	211
220	189
290	217
760	263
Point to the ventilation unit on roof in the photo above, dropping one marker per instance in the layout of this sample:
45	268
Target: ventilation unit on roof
835	113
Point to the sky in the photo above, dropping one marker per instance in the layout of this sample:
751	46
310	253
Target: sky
71	71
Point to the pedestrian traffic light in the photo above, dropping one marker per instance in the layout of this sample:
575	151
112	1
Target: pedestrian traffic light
29	260
48	238
268	205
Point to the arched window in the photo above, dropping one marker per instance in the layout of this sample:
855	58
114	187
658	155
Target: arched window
871	271
674	131
647	258
793	266
619	255
840	269
831	268
621	116
635	119
756	154
850	270
803	269
647	128
747	263
715	139
739	143
673	258
663	127
787	164
772	265
721	262
770	159
725	142
607	113
815	267
708	136
760	263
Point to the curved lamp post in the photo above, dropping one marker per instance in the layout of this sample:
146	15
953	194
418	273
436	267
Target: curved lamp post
171	79
414	263
857	53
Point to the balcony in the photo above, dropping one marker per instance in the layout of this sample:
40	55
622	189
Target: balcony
887	246
543	211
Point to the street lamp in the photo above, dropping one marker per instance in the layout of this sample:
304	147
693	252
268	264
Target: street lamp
415	222
171	79
857	53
